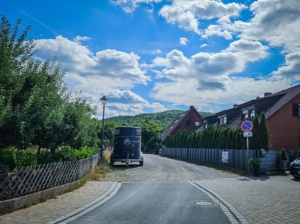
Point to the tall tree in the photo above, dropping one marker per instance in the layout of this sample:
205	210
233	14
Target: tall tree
264	133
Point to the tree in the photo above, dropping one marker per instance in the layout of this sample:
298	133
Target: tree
15	54
35	107
264	133
255	139
150	129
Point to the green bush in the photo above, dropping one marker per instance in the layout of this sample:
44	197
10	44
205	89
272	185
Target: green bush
254	161
86	152
283	155
26	157
47	157
298	154
66	153
8	157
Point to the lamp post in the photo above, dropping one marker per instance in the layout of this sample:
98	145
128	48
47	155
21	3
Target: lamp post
104	99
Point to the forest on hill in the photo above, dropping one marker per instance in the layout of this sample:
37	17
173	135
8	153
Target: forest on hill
162	119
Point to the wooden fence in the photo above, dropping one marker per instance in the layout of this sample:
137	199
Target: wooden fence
32	179
237	158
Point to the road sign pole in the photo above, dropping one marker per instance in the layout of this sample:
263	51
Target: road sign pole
248	152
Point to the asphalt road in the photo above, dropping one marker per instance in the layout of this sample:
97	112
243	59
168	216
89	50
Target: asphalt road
161	191
157	168
157	202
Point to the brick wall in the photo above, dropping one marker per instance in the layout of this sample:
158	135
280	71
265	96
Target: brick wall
284	129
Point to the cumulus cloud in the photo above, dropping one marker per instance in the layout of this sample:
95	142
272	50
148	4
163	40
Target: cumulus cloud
210	70
184	91
188	13
183	41
109	72
291	69
76	57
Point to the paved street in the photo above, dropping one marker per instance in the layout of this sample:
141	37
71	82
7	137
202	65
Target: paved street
265	199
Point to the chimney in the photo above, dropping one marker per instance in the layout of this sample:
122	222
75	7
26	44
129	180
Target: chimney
192	107
235	105
267	94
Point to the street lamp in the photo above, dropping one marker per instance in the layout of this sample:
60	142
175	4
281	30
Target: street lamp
104	99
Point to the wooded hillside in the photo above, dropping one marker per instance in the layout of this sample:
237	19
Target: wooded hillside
163	119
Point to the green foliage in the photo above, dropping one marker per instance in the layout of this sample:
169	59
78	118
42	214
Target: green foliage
26	157
35	107
264	134
8	157
66	153
283	155
298	154
254	161
162	119
254	141
151	140
85	152
47	157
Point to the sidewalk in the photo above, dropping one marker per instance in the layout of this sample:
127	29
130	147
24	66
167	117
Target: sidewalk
265	199
55	208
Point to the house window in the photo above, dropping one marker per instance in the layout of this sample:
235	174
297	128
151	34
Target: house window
296	110
197	123
245	114
222	120
252	113
188	122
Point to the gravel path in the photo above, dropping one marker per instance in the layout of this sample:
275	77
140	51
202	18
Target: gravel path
157	168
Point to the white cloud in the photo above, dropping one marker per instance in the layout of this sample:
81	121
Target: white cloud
210	71
183	41
78	39
109	72
107	63
236	90
291	69
188	13
153	52
203	45
130	5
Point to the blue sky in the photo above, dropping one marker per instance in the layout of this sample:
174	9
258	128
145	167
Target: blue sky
149	56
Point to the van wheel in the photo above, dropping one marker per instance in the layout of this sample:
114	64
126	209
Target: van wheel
111	162
141	163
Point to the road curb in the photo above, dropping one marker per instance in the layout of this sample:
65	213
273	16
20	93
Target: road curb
237	215
104	197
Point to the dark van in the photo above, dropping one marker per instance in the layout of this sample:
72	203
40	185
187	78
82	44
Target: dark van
127	146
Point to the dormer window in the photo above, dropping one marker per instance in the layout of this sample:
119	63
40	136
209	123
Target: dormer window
245	114
222	119
248	112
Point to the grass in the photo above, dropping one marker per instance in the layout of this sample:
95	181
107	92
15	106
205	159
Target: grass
99	172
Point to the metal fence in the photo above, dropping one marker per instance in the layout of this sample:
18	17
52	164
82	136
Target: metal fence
30	179
236	158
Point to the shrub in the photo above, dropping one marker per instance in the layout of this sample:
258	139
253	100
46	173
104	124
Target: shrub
26	157
254	161
66	153
47	157
86	152
298	154
8	157
283	155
